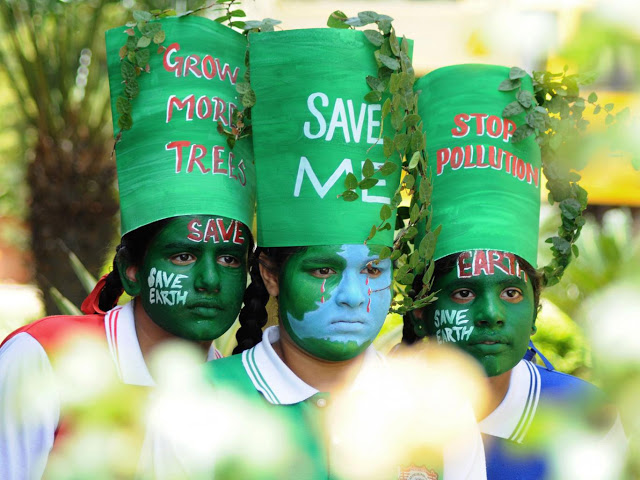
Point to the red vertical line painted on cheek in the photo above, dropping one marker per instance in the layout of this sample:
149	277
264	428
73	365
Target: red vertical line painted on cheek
368	293
322	290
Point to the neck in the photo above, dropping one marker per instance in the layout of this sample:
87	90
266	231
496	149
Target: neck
323	375
150	335
498	388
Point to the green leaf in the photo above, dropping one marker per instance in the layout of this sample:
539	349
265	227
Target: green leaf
389	62
374	37
418	140
395	45
575	250
412	120
593	97
142	57
367	17
516	73
571	208
132	89
508	85
522	132
388	168
395	255
243	87
608	120
597	109
351	181
373	96
387	146
127	70
249	99
159	37
512	109
143	42
142	16
608	107
372	232
349	196
368	169
536	120
123	105
337	19
385	252
409	181
237	13
561	245
415	159
385	212
375	83
401	141
125	122
415	213
386	108
385	25
525	98
367	183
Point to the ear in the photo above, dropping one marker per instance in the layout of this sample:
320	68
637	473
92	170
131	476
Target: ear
269	276
128	276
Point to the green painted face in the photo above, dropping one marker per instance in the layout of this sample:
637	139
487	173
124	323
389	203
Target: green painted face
486	307
333	299
194	274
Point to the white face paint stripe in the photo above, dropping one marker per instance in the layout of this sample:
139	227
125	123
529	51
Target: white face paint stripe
111	327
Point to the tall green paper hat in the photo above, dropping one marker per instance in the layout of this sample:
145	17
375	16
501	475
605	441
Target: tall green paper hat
486	189
173	161
311	126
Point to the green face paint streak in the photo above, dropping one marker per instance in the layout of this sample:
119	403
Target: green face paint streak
490	316
192	283
305	273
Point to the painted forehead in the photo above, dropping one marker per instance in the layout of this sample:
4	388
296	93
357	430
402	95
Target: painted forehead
209	229
476	263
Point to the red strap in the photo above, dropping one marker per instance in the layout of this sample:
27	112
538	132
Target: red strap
91	303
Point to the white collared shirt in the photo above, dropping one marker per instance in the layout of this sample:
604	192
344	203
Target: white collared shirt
512	418
275	380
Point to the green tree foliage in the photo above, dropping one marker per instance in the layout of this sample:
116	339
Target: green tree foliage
52	58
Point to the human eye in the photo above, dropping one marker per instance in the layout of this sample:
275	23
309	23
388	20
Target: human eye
371	270
323	272
228	261
462	295
512	295
182	259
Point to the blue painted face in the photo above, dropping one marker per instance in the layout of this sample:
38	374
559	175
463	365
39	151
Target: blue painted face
334	299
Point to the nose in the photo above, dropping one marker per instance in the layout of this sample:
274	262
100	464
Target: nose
206	274
489	311
350	291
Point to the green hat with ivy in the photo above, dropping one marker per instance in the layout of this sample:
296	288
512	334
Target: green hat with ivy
486	188
173	83
316	139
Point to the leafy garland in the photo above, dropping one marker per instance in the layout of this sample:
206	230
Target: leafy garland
241	121
554	115
394	83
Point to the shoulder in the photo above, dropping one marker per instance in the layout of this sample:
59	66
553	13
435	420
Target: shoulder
557	385
227	371
51	331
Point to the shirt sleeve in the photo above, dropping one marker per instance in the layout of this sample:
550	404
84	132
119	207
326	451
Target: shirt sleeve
29	408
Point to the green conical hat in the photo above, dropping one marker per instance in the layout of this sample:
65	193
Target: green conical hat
310	127
486	189
173	161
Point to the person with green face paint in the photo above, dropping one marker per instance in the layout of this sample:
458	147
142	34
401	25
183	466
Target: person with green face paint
183	252
488	290
333	292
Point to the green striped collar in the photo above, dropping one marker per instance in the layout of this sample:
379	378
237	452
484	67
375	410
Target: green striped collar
277	383
512	418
